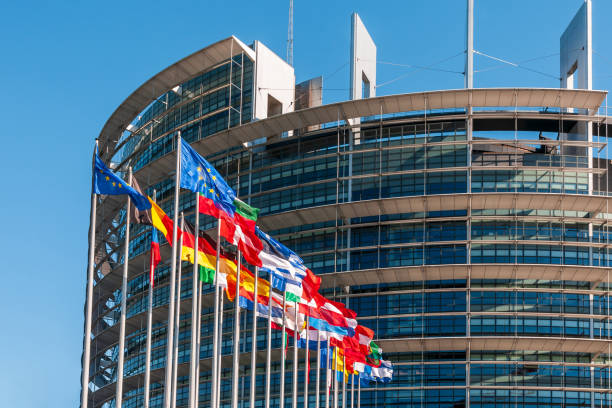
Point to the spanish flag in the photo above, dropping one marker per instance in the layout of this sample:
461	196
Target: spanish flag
247	286
161	221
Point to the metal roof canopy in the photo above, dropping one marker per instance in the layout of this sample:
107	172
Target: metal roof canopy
174	75
593	274
567	344
440	202
199	61
414	102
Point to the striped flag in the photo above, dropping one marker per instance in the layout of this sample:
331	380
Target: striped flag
368	373
161	221
292	326
155	256
207	253
286	269
364	337
325	317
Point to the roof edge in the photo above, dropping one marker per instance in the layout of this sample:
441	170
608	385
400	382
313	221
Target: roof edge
173	75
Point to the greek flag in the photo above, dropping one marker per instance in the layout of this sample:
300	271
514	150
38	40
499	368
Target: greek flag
286	269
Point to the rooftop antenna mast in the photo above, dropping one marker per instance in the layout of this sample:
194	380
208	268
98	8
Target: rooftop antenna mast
469	46
290	35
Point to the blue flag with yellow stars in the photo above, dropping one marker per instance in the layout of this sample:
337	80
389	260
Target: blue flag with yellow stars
107	182
199	176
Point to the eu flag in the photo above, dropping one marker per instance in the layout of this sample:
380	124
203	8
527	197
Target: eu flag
107	182
199	176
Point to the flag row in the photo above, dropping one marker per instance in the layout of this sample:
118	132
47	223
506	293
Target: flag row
309	317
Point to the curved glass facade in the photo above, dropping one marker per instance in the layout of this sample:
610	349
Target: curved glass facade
480	301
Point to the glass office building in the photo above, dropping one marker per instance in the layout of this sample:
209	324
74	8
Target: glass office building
468	228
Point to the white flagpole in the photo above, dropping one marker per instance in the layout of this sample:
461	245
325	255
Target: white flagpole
220	361
306	362
283	356
170	330
177	316
358	393
147	379
335	373
254	344
343	381
89	297
268	350
327	371
215	380
198	345
198	340
124	289
194	360
353	390
295	358
236	341
318	386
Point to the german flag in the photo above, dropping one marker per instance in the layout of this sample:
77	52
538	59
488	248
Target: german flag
207	258
207	253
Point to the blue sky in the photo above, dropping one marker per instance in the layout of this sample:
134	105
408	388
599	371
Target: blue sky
66	66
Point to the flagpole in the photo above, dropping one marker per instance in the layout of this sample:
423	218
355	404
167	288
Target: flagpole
147	379
353	390
195	351
327	370
198	338
124	289
177	316
318	386
170	330
306	364
254	343
335	371
283	356
236	341
215	380
358	392
220	361
295	358
89	297
268	350
344	379
198	345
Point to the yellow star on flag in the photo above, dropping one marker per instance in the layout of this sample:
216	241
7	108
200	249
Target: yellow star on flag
119	185
107	178
114	184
